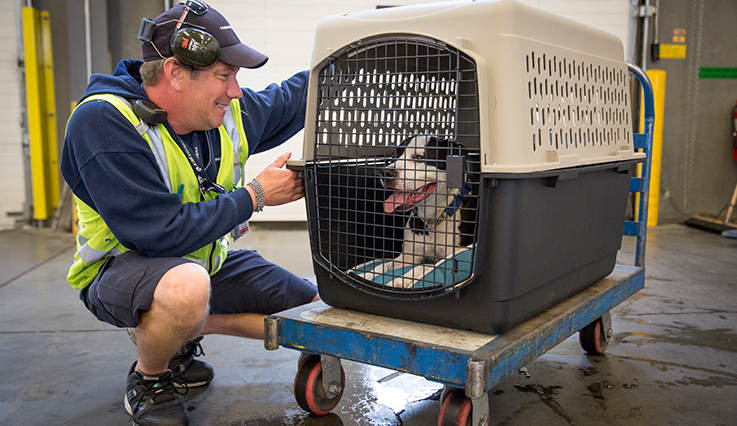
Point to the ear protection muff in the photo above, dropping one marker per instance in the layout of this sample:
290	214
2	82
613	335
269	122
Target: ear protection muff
193	47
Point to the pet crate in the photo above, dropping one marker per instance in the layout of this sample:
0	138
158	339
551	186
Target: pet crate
466	163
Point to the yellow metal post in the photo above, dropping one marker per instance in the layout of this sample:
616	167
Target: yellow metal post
75	215
41	112
52	148
657	78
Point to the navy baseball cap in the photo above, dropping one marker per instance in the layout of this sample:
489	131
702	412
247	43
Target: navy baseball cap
200	16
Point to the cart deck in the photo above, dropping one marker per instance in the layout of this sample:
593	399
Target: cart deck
460	358
470	363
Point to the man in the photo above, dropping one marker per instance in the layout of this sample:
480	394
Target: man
154	155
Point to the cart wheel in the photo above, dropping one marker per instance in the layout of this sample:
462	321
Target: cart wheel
592	338
456	409
445	392
308	389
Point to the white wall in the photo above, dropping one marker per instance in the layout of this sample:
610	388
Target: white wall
12	185
285	30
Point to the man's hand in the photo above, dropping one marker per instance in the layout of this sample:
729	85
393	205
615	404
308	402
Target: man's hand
280	185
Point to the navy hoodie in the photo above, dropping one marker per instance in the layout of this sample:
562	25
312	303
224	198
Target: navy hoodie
111	168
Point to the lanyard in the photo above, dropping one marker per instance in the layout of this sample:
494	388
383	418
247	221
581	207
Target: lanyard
204	182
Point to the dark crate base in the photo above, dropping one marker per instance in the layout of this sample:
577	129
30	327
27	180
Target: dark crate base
548	237
466	312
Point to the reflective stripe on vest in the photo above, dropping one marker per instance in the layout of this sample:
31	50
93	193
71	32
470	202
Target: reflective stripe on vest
232	128
99	241
90	255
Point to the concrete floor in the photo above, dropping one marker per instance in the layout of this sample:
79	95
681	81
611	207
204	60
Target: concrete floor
673	359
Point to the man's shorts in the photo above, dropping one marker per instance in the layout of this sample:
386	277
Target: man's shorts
124	288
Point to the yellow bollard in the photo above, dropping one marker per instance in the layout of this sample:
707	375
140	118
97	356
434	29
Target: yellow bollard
41	112
657	78
75	215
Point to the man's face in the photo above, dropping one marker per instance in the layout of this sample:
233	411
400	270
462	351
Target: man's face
207	95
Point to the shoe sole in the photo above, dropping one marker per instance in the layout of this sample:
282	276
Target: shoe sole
129	410
191	385
127	405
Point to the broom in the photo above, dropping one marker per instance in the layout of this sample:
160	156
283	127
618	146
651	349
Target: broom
716	225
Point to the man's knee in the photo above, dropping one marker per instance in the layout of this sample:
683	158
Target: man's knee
186	286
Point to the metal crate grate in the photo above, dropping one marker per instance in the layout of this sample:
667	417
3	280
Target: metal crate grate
381	103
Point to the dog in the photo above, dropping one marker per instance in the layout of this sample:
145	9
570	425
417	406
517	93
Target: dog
441	218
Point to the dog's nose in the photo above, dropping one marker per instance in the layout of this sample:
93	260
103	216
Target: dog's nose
388	177
388	173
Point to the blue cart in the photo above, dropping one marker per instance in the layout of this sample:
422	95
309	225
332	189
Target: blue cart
468	363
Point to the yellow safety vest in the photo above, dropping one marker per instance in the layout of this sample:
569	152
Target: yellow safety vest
95	241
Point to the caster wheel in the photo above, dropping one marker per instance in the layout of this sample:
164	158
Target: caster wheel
456	409
592	338
308	390
447	390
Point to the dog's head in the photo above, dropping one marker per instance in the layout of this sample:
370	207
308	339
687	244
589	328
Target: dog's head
417	170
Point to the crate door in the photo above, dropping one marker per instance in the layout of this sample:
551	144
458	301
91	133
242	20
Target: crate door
395	167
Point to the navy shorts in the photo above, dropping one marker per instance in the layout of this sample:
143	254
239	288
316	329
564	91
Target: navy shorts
247	283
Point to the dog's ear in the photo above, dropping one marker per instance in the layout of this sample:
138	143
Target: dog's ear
438	149
456	149
399	150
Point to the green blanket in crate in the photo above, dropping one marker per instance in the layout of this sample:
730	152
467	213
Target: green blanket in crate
446	272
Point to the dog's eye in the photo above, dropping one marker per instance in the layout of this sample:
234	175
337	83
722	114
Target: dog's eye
419	157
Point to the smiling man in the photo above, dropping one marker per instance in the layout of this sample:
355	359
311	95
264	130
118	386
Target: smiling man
154	155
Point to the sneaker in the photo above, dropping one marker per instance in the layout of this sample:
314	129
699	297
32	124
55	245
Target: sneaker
153	400
186	371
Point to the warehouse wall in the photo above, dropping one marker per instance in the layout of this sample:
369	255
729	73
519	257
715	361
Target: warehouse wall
698	173
282	29
12	171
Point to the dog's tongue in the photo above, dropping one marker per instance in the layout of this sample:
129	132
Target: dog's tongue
399	199
395	200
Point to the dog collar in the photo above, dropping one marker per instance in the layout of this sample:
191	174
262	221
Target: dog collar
458	200
430	224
